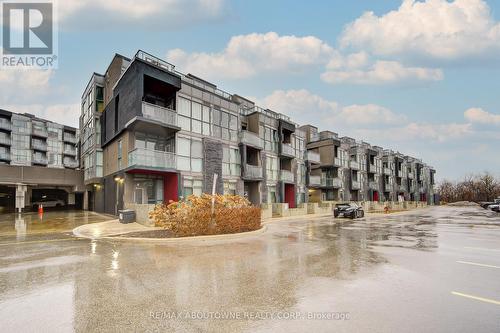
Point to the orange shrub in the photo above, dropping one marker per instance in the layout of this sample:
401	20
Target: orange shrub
193	217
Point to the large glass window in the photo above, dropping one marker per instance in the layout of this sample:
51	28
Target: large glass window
272	168
225	125
230	188
231	161
189	154
148	189
192	186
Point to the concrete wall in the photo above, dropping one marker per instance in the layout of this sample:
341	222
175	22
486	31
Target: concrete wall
42	176
141	213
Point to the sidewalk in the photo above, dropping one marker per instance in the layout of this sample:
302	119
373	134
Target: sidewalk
108	228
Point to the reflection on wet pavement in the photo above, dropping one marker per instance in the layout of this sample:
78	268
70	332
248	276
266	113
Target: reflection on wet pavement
365	267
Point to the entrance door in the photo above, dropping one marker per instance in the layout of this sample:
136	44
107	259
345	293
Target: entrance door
375	196
290	195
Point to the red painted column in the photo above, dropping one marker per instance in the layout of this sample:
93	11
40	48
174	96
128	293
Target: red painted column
170	187
290	195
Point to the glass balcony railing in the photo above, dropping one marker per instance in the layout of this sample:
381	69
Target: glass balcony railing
140	157
5	140
313	157
253	171
38	145
355	185
354	165
287	149
93	172
160	114
38	131
286	176
69	150
331	182
372	168
252	139
373	185
37	159
5	156
5	124
314	180
387	171
70	138
337	162
70	163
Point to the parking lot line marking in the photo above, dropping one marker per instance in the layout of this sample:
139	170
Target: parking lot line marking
477	264
480	248
38	241
477	298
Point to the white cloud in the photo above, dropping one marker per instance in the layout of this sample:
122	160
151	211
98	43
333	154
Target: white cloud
437	29
303	106
478	115
24	84
247	55
381	72
66	114
150	13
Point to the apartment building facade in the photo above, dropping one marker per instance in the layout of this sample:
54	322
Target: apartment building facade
37	158
151	134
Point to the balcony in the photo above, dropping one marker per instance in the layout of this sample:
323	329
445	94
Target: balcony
5	124
70	138
373	185
410	175
355	185
372	168
37	159
5	156
252	172
70	151
160	114
286	176
70	163
387	171
354	165
5	140
313	157
331	182
93	172
251	139
314	181
337	162
149	158
40	132
287	150
38	145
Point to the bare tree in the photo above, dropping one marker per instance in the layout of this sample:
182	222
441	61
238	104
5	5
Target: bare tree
476	188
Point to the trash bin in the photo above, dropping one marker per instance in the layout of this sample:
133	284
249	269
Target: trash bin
126	216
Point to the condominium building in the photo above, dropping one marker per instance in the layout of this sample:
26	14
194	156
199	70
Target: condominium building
37	156
152	134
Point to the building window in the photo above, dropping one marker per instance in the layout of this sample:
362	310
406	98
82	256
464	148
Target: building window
271	194
192	187
148	189
119	154
189	154
225	125
272	168
230	188
231	161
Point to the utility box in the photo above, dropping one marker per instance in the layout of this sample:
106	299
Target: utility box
126	216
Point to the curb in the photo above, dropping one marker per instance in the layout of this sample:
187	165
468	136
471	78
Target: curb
176	240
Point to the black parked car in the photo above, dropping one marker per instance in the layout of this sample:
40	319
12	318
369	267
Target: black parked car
350	210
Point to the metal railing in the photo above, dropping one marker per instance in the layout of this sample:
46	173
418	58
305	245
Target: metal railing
354	165
38	145
152	159
253	171
159	113
286	176
5	124
151	59
287	149
315	180
313	156
4	140
250	138
331	182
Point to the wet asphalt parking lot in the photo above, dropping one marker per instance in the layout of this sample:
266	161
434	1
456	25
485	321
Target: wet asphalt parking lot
429	270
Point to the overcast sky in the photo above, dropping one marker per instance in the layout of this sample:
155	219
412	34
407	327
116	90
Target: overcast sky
420	77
